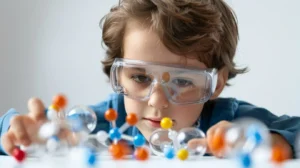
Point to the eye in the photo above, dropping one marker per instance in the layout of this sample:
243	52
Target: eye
141	78
182	82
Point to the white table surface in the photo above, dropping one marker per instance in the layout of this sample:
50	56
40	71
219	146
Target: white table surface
106	162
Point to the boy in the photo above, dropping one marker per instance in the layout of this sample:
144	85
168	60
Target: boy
165	58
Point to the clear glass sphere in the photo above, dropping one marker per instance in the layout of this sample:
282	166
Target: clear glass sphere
82	118
192	139
248	135
159	141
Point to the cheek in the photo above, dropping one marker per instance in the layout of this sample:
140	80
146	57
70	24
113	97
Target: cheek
134	106
186	116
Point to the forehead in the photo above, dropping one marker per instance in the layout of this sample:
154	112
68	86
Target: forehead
141	43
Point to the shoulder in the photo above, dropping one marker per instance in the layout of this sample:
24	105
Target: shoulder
114	101
223	109
230	109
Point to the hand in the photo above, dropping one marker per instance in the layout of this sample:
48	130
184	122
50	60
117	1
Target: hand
281	149
24	128
213	140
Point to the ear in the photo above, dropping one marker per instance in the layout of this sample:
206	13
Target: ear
221	83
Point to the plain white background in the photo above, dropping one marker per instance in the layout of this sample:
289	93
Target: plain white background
47	47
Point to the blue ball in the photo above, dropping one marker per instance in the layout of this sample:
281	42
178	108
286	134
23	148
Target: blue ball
245	160
169	153
91	157
114	134
138	140
54	137
257	138
254	134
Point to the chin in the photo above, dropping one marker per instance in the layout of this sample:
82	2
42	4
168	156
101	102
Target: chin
145	130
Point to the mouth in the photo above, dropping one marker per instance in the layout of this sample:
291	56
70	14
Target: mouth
153	122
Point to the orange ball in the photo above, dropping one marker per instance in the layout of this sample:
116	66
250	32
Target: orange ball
166	76
279	154
111	115
60	101
125	147
218	143
131	119
141	154
117	151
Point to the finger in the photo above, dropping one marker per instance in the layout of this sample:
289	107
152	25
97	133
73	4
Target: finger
215	138
65	134
222	126
36	109
217	145
32	128
19	130
198	142
211	131
8	142
278	142
71	137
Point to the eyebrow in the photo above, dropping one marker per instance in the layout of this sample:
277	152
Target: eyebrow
138	69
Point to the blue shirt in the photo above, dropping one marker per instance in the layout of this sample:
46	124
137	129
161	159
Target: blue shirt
213	112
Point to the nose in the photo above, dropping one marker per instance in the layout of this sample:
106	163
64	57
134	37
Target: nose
158	98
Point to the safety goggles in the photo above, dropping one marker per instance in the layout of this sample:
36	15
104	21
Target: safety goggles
138	79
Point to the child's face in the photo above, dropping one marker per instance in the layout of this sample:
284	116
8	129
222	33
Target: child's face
143	44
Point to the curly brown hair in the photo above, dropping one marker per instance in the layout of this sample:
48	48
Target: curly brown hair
207	28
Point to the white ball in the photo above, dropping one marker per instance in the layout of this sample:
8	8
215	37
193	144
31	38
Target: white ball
102	136
52	115
233	135
52	144
49	129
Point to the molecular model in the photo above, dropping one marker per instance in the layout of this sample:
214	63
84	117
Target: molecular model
118	149
248	140
67	134
48	132
168	143
62	132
